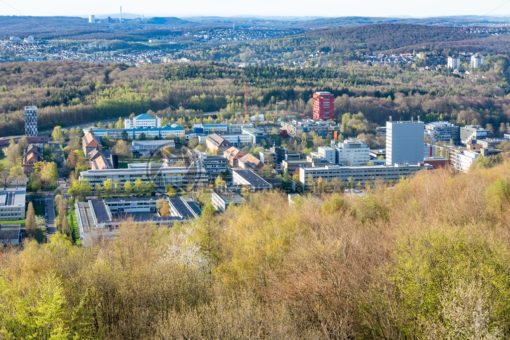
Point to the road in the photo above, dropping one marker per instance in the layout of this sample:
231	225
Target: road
49	214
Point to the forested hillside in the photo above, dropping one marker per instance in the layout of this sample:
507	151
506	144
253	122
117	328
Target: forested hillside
74	93
428	258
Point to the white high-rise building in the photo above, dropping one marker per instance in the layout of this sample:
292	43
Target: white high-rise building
453	63
353	152
327	153
476	61
404	142
31	121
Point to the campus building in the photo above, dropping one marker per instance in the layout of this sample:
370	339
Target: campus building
250	179
12	203
404	142
222	200
353	152
443	132
100	218
160	174
472	133
31	121
147	148
143	120
169	131
323	106
356	174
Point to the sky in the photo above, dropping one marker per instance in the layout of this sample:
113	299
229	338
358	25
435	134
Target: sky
328	8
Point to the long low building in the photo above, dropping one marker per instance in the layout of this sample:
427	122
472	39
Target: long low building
159	174
221	200
100	218
249	178
233	140
169	131
358	174
147	148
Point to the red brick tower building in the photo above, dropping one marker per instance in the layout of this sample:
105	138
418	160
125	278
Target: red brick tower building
323	106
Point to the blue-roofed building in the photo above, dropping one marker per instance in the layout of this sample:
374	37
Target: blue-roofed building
143	120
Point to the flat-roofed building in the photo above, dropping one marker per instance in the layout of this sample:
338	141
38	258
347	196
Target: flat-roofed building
404	142
10	234
357	174
472	133
184	208
476	61
256	134
30	116
353	152
147	148
453	63
290	166
143	120
443	132
100	218
222	200
328	153
249	178
159	174
463	160
12	203
165	132
221	129
214	166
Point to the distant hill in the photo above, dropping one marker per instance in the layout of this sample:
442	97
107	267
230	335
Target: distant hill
340	34
79	28
399	37
379	37
166	21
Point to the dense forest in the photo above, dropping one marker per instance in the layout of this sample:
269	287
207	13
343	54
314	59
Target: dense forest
74	93
428	258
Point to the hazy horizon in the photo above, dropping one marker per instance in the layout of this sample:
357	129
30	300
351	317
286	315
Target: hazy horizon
262	8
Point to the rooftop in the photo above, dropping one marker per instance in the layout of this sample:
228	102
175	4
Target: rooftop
253	179
145	116
12	197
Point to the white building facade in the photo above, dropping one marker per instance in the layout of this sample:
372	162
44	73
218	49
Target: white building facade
143	120
404	142
353	152
31	121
